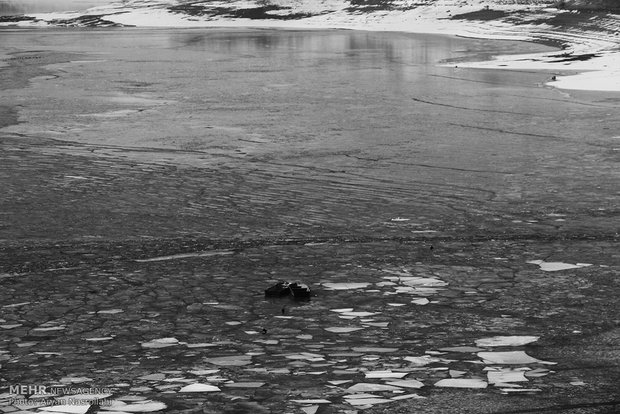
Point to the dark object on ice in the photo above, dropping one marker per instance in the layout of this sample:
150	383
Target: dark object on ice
278	290
300	290
296	289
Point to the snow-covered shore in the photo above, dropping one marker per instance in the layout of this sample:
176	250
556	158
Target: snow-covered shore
590	41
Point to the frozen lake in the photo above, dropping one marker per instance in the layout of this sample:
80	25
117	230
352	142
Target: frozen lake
372	114
156	182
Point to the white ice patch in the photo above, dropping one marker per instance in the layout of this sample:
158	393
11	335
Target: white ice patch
556	266
506	341
199	388
344	286
160	343
506	376
342	329
461	383
510	358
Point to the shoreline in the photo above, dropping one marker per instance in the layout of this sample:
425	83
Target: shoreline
587	40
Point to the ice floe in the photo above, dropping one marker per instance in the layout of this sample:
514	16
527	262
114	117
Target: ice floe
232	360
506	341
344	285
200	388
411	383
506	375
510	358
370	387
385	374
461	383
160	343
343	329
557	266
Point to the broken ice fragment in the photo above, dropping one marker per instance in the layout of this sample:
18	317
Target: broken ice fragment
245	385
199	388
510	357
338	382
306	356
49	328
406	383
506	375
110	311
406	396
421	301
153	377
556	266
342	329
359	314
461	383
422	281
344	286
385	374
370	387
160	343
506	341
105	338
233	360
421	361
310	401
519	390
367	401
311	409
187	255
11	326
538	372
374	349
74	380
